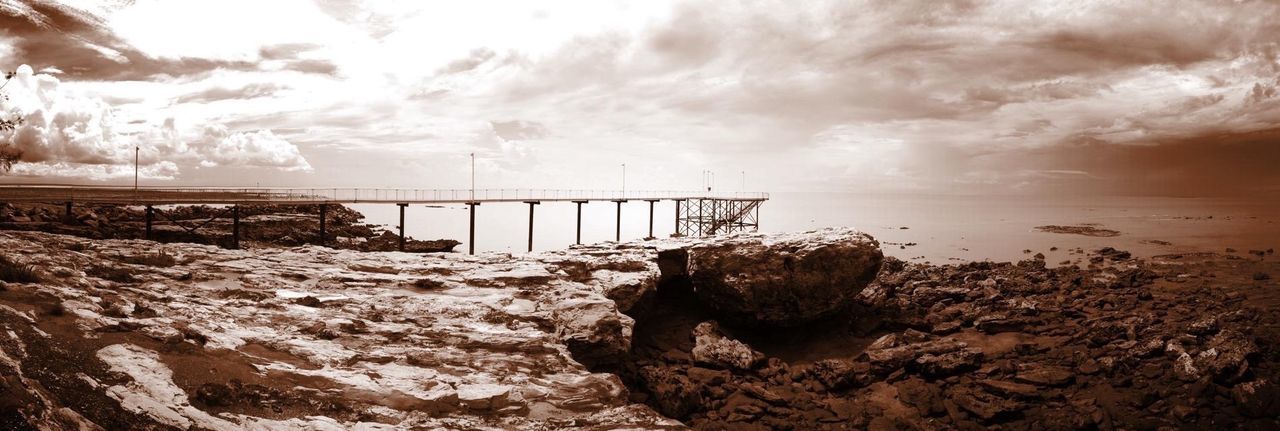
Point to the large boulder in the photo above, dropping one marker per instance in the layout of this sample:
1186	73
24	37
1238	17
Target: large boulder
782	279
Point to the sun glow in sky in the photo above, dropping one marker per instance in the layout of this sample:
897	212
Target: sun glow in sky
938	97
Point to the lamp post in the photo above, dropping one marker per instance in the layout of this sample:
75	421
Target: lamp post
624	181
136	150
473	177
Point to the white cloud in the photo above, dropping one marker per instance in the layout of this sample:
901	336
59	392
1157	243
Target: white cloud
259	149
71	134
157	171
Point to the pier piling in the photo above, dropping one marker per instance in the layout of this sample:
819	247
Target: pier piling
402	207
651	202
531	204
578	237
323	209
617	234
235	227
678	201
151	214
471	236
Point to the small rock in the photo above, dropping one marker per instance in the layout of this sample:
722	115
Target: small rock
1012	389
713	348
1259	398
759	392
165	334
1045	375
483	397
949	363
1184	368
981	403
308	301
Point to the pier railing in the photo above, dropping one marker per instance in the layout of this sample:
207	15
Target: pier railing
211	195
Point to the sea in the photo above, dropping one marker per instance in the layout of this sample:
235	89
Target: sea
915	227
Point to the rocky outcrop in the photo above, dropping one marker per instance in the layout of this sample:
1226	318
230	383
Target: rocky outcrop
783	280
1127	344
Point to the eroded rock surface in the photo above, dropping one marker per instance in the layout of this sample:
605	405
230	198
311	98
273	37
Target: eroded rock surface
316	338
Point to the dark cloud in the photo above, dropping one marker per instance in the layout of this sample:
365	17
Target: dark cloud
288	51
45	34
214	94
471	61
518	130
322	67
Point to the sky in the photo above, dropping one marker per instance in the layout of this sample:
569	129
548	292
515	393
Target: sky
946	97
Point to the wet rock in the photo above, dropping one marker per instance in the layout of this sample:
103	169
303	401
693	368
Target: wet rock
784	280
1113	254
712	347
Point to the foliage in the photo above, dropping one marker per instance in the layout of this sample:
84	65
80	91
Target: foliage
112	273
159	259
8	154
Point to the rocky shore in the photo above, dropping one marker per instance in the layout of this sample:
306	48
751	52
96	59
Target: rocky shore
260	226
810	330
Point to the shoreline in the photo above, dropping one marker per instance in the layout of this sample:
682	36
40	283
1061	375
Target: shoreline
260	226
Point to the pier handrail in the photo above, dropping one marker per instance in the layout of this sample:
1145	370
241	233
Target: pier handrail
304	195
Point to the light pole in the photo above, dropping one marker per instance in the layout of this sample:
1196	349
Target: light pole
624	181
136	150
473	177
744	181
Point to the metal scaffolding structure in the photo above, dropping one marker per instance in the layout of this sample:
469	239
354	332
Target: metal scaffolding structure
706	217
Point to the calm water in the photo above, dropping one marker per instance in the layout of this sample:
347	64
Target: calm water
944	228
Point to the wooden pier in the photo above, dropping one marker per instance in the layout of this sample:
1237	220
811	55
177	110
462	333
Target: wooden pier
698	213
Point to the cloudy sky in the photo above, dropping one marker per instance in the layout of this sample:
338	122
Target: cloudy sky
939	97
